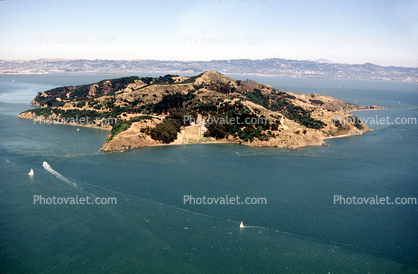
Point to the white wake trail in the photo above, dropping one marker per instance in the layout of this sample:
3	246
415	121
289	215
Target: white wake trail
59	176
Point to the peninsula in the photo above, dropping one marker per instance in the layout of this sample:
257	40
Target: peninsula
209	107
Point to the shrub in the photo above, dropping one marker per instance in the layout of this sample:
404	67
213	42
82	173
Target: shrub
166	131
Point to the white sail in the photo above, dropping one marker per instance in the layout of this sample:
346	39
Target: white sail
31	173
241	225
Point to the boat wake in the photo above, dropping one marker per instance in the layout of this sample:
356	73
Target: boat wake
59	176
251	226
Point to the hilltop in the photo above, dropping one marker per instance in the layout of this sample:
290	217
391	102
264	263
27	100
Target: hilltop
209	107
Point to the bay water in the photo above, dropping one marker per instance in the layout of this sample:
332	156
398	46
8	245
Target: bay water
151	230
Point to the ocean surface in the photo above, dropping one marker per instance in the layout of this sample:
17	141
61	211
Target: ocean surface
152	230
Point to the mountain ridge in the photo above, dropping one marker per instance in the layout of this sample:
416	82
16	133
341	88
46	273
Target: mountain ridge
320	68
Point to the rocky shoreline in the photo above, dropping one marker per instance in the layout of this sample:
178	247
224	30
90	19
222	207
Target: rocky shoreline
131	139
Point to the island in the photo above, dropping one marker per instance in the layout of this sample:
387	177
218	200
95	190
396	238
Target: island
207	108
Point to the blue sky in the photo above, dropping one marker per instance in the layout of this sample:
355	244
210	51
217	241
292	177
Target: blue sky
379	32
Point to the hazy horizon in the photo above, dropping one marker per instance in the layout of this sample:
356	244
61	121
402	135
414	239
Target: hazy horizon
381	33
161	60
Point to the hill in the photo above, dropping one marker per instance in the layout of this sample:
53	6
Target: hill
209	107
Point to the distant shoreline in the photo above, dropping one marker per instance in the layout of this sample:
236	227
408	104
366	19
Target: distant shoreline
225	73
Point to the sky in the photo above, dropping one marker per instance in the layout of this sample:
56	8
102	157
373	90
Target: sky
354	32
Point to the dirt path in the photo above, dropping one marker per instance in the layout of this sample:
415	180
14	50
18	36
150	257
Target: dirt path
282	122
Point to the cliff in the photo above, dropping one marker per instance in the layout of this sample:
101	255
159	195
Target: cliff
209	107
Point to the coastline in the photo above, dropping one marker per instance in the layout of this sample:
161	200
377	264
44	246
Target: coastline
225	73
210	143
178	141
348	135
339	136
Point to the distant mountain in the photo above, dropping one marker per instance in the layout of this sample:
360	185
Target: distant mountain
321	68
324	61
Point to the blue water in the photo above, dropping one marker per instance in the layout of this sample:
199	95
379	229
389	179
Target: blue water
151	230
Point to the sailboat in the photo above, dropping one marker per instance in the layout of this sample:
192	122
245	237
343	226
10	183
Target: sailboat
241	225
31	173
